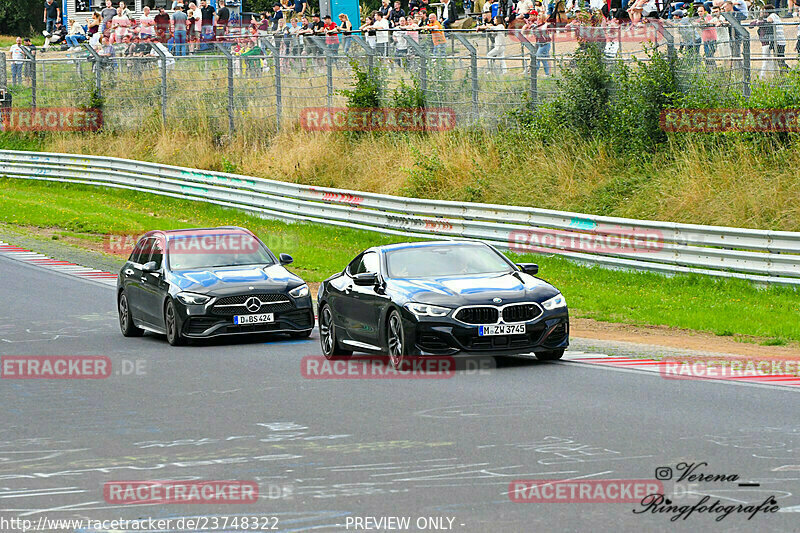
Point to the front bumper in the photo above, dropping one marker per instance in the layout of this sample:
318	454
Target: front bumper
449	337
201	321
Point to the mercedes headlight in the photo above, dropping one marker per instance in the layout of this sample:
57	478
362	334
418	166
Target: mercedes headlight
299	292
555	302
191	298
427	310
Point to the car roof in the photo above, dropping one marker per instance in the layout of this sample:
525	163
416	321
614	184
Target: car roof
426	244
220	230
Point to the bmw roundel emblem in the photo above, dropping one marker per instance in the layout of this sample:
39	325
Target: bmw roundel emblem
497	300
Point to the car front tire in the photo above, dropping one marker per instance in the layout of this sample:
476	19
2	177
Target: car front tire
396	339
327	335
550	355
172	326
126	324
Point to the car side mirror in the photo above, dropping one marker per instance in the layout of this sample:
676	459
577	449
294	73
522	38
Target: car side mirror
150	267
365	279
529	268
286	259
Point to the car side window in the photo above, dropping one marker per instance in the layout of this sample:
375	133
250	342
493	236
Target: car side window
158	253
369	263
356	265
141	251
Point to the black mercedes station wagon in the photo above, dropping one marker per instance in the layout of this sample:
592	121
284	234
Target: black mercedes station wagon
197	283
440	298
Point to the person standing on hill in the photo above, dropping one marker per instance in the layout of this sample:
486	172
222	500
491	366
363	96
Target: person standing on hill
52	14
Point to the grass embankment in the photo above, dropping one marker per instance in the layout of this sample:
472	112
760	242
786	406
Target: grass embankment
723	307
728	182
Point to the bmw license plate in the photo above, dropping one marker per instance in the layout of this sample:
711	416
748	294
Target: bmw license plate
501	329
264	318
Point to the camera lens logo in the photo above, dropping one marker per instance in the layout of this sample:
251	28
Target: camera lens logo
663	473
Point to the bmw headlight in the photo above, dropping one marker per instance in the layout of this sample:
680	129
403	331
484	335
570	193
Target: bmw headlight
427	310
191	298
299	292
555	302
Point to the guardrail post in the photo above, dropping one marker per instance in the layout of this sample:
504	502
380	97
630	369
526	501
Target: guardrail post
744	35
368	49
229	62
423	66
277	57
98	74
473	57
533	90
32	58
163	65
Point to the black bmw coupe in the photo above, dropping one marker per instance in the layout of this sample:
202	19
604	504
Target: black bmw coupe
199	283
440	298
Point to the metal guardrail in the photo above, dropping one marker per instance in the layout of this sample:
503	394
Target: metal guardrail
666	247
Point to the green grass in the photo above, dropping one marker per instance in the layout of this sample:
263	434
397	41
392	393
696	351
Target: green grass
724	307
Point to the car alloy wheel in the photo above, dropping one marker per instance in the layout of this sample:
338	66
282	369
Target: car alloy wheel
327	335
171	322
395	339
126	324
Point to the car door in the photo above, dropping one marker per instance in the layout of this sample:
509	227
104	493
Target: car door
365	308
132	277
154	286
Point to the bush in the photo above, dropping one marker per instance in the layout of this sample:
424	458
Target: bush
367	90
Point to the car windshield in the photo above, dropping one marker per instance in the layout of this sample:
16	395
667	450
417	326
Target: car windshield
209	250
444	260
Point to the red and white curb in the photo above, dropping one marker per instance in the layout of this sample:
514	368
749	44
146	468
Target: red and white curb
65	267
660	367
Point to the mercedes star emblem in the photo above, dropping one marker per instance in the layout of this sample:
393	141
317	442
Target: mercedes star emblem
253	304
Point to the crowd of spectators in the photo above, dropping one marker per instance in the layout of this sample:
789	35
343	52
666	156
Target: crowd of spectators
296	31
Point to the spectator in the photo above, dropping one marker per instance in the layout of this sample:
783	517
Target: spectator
690	37
346	29
779	34
178	5
207	15
400	37
543	37
385	9
125	11
295	41
17	60
318	31
331	36
147	24
381	26
396	14
223	17
120	24
191	28
76	34
108	13
708	34
371	34
277	15
58	36
52	14
93	28
449	13
300	7
498	52
281	35
437	35
162	22
766	34
179	22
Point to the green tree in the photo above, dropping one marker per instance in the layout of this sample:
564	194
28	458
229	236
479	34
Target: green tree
21	17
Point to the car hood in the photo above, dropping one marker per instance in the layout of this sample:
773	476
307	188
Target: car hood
235	280
472	290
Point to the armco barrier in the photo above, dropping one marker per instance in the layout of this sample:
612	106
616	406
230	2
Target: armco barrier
667	247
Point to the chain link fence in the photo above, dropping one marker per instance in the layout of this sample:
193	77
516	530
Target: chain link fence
263	83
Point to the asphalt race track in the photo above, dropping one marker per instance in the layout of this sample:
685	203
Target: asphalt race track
326	452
